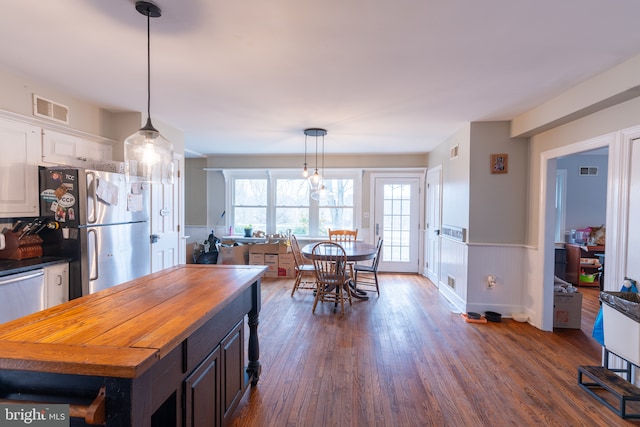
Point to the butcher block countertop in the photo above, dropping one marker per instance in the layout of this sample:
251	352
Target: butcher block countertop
122	331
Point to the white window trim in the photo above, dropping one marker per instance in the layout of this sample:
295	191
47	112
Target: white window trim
272	174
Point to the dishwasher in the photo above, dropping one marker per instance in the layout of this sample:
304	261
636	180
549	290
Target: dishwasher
21	294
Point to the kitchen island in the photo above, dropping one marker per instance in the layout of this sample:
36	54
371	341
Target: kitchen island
166	349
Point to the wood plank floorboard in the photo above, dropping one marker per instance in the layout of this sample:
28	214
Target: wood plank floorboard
406	358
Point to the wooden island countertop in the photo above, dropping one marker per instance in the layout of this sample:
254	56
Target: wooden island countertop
122	331
162	350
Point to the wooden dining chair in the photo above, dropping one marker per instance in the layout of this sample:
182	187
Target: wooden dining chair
305	271
343	235
330	263
366	276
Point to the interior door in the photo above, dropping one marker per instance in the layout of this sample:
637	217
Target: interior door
433	222
165	223
397	220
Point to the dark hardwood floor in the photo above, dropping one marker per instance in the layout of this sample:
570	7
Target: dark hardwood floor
407	358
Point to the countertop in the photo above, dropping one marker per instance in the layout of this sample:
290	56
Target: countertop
12	266
124	330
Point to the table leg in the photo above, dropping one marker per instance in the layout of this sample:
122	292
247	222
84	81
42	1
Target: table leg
253	367
357	293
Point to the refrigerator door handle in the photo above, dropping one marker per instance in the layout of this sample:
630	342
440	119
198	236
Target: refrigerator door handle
94	196
93	256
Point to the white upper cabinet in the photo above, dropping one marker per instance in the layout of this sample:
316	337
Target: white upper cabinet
19	158
62	149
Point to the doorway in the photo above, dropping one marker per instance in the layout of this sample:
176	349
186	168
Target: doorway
165	222
432	226
581	199
397	206
584	205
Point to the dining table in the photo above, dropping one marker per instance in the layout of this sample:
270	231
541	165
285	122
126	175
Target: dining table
354	251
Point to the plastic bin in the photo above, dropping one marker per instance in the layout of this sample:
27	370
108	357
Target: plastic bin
621	324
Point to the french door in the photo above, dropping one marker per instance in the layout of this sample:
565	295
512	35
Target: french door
396	219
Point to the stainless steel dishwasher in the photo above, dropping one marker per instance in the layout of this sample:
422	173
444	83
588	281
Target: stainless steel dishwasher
21	294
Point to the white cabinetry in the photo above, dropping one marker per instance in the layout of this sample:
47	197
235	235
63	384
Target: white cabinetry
56	279
63	149
19	158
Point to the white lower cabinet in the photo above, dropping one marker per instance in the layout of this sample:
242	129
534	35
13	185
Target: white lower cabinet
20	155
56	279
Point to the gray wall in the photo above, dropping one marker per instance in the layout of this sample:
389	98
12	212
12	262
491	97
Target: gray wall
491	206
586	195
195	192
455	177
497	205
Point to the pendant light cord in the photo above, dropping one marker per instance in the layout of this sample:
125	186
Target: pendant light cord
148	65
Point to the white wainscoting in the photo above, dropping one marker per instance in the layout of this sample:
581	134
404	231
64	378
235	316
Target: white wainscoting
470	264
507	264
453	264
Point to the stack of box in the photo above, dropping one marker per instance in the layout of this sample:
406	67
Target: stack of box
286	265
567	310
276	256
233	255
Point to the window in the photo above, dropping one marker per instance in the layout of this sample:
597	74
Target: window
292	205
278	201
249	204
336	208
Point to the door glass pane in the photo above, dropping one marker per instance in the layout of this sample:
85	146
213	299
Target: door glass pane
397	221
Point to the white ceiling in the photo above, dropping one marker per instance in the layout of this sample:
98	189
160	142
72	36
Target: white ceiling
247	76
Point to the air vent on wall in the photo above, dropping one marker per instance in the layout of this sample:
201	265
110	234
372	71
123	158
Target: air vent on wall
48	109
588	171
453	152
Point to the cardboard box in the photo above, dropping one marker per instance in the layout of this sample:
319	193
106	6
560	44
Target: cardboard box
235	255
271	261
270	248
286	265
567	310
256	259
286	259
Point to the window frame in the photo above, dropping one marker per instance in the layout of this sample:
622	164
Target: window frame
272	175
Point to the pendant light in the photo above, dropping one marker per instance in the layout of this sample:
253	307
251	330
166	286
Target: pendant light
315	180
147	154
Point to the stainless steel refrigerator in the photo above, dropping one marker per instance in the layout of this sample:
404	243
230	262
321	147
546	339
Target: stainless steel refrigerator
103	226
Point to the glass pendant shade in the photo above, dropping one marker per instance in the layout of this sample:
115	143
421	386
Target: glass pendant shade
315	180
149	156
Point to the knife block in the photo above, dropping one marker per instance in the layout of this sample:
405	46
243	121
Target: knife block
27	247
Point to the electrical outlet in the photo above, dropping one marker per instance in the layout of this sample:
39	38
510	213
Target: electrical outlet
491	281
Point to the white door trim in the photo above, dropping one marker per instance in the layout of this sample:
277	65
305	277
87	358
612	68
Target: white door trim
372	220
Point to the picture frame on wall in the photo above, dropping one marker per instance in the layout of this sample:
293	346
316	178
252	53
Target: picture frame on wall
499	163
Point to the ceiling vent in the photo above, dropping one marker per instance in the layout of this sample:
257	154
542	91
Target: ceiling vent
50	110
588	171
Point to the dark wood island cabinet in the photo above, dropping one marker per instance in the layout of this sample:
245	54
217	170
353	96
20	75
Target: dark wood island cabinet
166	349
